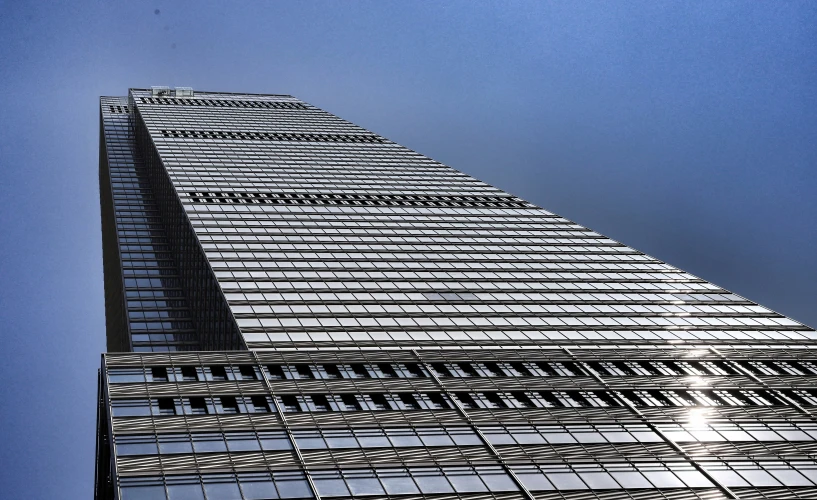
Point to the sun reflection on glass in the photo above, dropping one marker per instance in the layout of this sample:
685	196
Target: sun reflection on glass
697	416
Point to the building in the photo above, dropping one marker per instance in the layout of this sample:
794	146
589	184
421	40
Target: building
297	308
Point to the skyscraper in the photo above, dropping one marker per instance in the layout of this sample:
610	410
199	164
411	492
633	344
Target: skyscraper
299	308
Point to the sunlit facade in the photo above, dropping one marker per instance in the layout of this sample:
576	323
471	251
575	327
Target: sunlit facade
300	308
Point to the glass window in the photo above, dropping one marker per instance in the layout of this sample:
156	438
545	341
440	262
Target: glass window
398	484
757	477
257	487
466	482
142	492
465	437
329	486
498	481
790	477
182	491
403	437
130	408
242	442
631	479
136	445
435	437
309	440
535	481
292	487
274	441
372	438
124	375
566	481
222	490
174	443
599	480
530	437
663	479
693	479
209	443
430	483
340	439
498	436
359	486
728	478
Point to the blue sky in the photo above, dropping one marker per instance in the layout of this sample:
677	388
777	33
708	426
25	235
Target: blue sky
683	129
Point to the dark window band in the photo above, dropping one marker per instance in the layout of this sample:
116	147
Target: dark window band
222	104
271	136
403	200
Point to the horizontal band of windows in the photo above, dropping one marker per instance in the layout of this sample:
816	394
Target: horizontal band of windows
467	369
464	436
678	475
253	486
357	199
117	109
245	363
159	347
403	437
291	403
342	341
157	315
358	482
504	287
211	442
271	136
223	103
294	298
545	328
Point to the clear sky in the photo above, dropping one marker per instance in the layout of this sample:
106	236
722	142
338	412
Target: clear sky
687	130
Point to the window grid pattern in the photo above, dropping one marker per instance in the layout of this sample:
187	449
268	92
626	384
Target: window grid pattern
140	269
298	272
698	448
374	323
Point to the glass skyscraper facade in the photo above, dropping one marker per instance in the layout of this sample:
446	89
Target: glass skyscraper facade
297	308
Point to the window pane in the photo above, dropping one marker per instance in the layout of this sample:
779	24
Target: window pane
405	439
535	482
126	375
663	479
499	482
341	442
259	490
436	440
399	485
693	479
270	441
759	478
728	478
364	486
331	487
631	480
295	488
529	438
222	491
309	441
185	492
599	480
174	444
142	492
242	442
566	481
433	484
790	477
209	443
138	448
467	483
